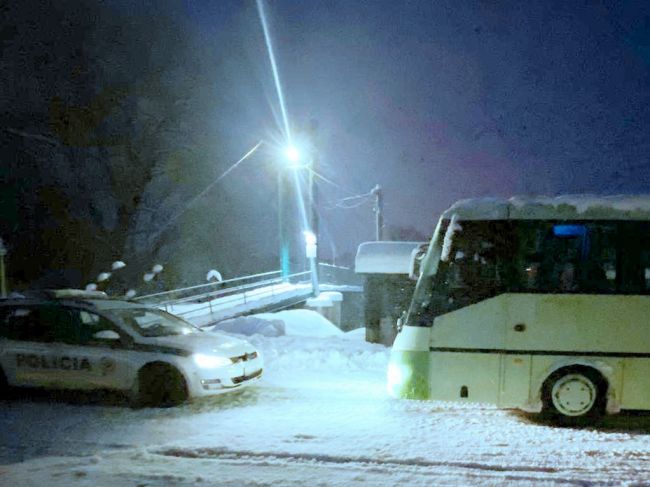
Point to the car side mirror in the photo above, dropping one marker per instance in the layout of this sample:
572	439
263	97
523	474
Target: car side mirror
108	335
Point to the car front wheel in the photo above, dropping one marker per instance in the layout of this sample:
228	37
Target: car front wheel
160	385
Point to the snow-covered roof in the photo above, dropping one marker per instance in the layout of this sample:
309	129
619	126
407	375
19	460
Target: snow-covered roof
109	304
566	207
385	257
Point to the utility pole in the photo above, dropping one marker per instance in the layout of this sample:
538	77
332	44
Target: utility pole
313	199
3	277
379	212
314	217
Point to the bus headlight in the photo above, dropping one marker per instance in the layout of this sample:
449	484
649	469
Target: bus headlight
210	361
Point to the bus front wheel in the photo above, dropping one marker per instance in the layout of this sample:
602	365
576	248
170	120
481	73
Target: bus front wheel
574	396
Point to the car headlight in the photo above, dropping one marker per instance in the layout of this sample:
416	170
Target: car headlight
210	361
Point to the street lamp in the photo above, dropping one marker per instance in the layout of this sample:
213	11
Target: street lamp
292	154
296	160
290	159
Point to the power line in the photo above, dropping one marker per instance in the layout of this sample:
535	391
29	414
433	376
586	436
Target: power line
329	181
348	207
211	185
356	197
342	203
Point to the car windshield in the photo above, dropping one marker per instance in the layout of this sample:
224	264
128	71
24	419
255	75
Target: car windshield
155	323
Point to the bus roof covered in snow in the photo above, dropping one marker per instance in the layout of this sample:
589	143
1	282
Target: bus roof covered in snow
568	207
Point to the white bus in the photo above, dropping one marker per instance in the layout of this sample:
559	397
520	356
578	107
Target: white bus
537	304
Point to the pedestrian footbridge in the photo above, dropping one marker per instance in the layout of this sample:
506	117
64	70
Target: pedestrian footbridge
210	303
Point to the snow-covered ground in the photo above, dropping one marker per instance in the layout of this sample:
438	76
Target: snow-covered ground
319	417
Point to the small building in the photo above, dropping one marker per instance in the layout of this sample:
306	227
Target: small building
388	269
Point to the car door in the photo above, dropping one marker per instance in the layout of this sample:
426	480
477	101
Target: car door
95	353
27	354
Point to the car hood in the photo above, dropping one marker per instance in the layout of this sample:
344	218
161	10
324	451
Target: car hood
205	342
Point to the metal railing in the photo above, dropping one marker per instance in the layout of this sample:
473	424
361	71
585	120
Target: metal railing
215	299
220	300
338	275
203	289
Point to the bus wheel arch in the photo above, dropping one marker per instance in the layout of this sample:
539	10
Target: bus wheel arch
575	393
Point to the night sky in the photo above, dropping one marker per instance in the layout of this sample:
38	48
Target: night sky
433	100
437	101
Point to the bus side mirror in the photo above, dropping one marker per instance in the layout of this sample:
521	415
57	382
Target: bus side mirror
415	265
400	321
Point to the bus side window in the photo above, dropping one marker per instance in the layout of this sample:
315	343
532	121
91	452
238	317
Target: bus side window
562	250
645	271
577	258
600	269
642	240
526	256
634	256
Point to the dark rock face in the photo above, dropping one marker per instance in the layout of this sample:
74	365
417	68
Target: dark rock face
102	140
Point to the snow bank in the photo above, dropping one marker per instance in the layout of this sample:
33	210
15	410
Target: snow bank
251	325
298	322
298	345
308	362
357	334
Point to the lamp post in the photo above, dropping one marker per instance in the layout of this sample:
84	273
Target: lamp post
284	242
291	157
310	224
314	223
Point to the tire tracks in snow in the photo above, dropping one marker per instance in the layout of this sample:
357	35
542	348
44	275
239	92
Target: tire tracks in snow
512	472
62	448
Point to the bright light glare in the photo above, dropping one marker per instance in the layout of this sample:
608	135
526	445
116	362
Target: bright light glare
274	67
310	238
293	155
211	361
396	376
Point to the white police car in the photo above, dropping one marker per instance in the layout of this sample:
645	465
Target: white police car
68	340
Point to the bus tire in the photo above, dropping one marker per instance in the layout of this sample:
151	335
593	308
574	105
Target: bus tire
574	396
160	385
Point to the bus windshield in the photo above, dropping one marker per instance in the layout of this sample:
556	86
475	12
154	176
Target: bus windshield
470	268
474	260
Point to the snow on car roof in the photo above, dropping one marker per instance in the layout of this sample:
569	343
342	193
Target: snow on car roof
31	298
385	257
566	207
115	304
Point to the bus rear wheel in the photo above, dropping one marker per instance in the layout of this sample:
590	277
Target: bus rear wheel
574	396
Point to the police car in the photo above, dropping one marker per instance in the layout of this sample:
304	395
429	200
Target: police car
70	339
